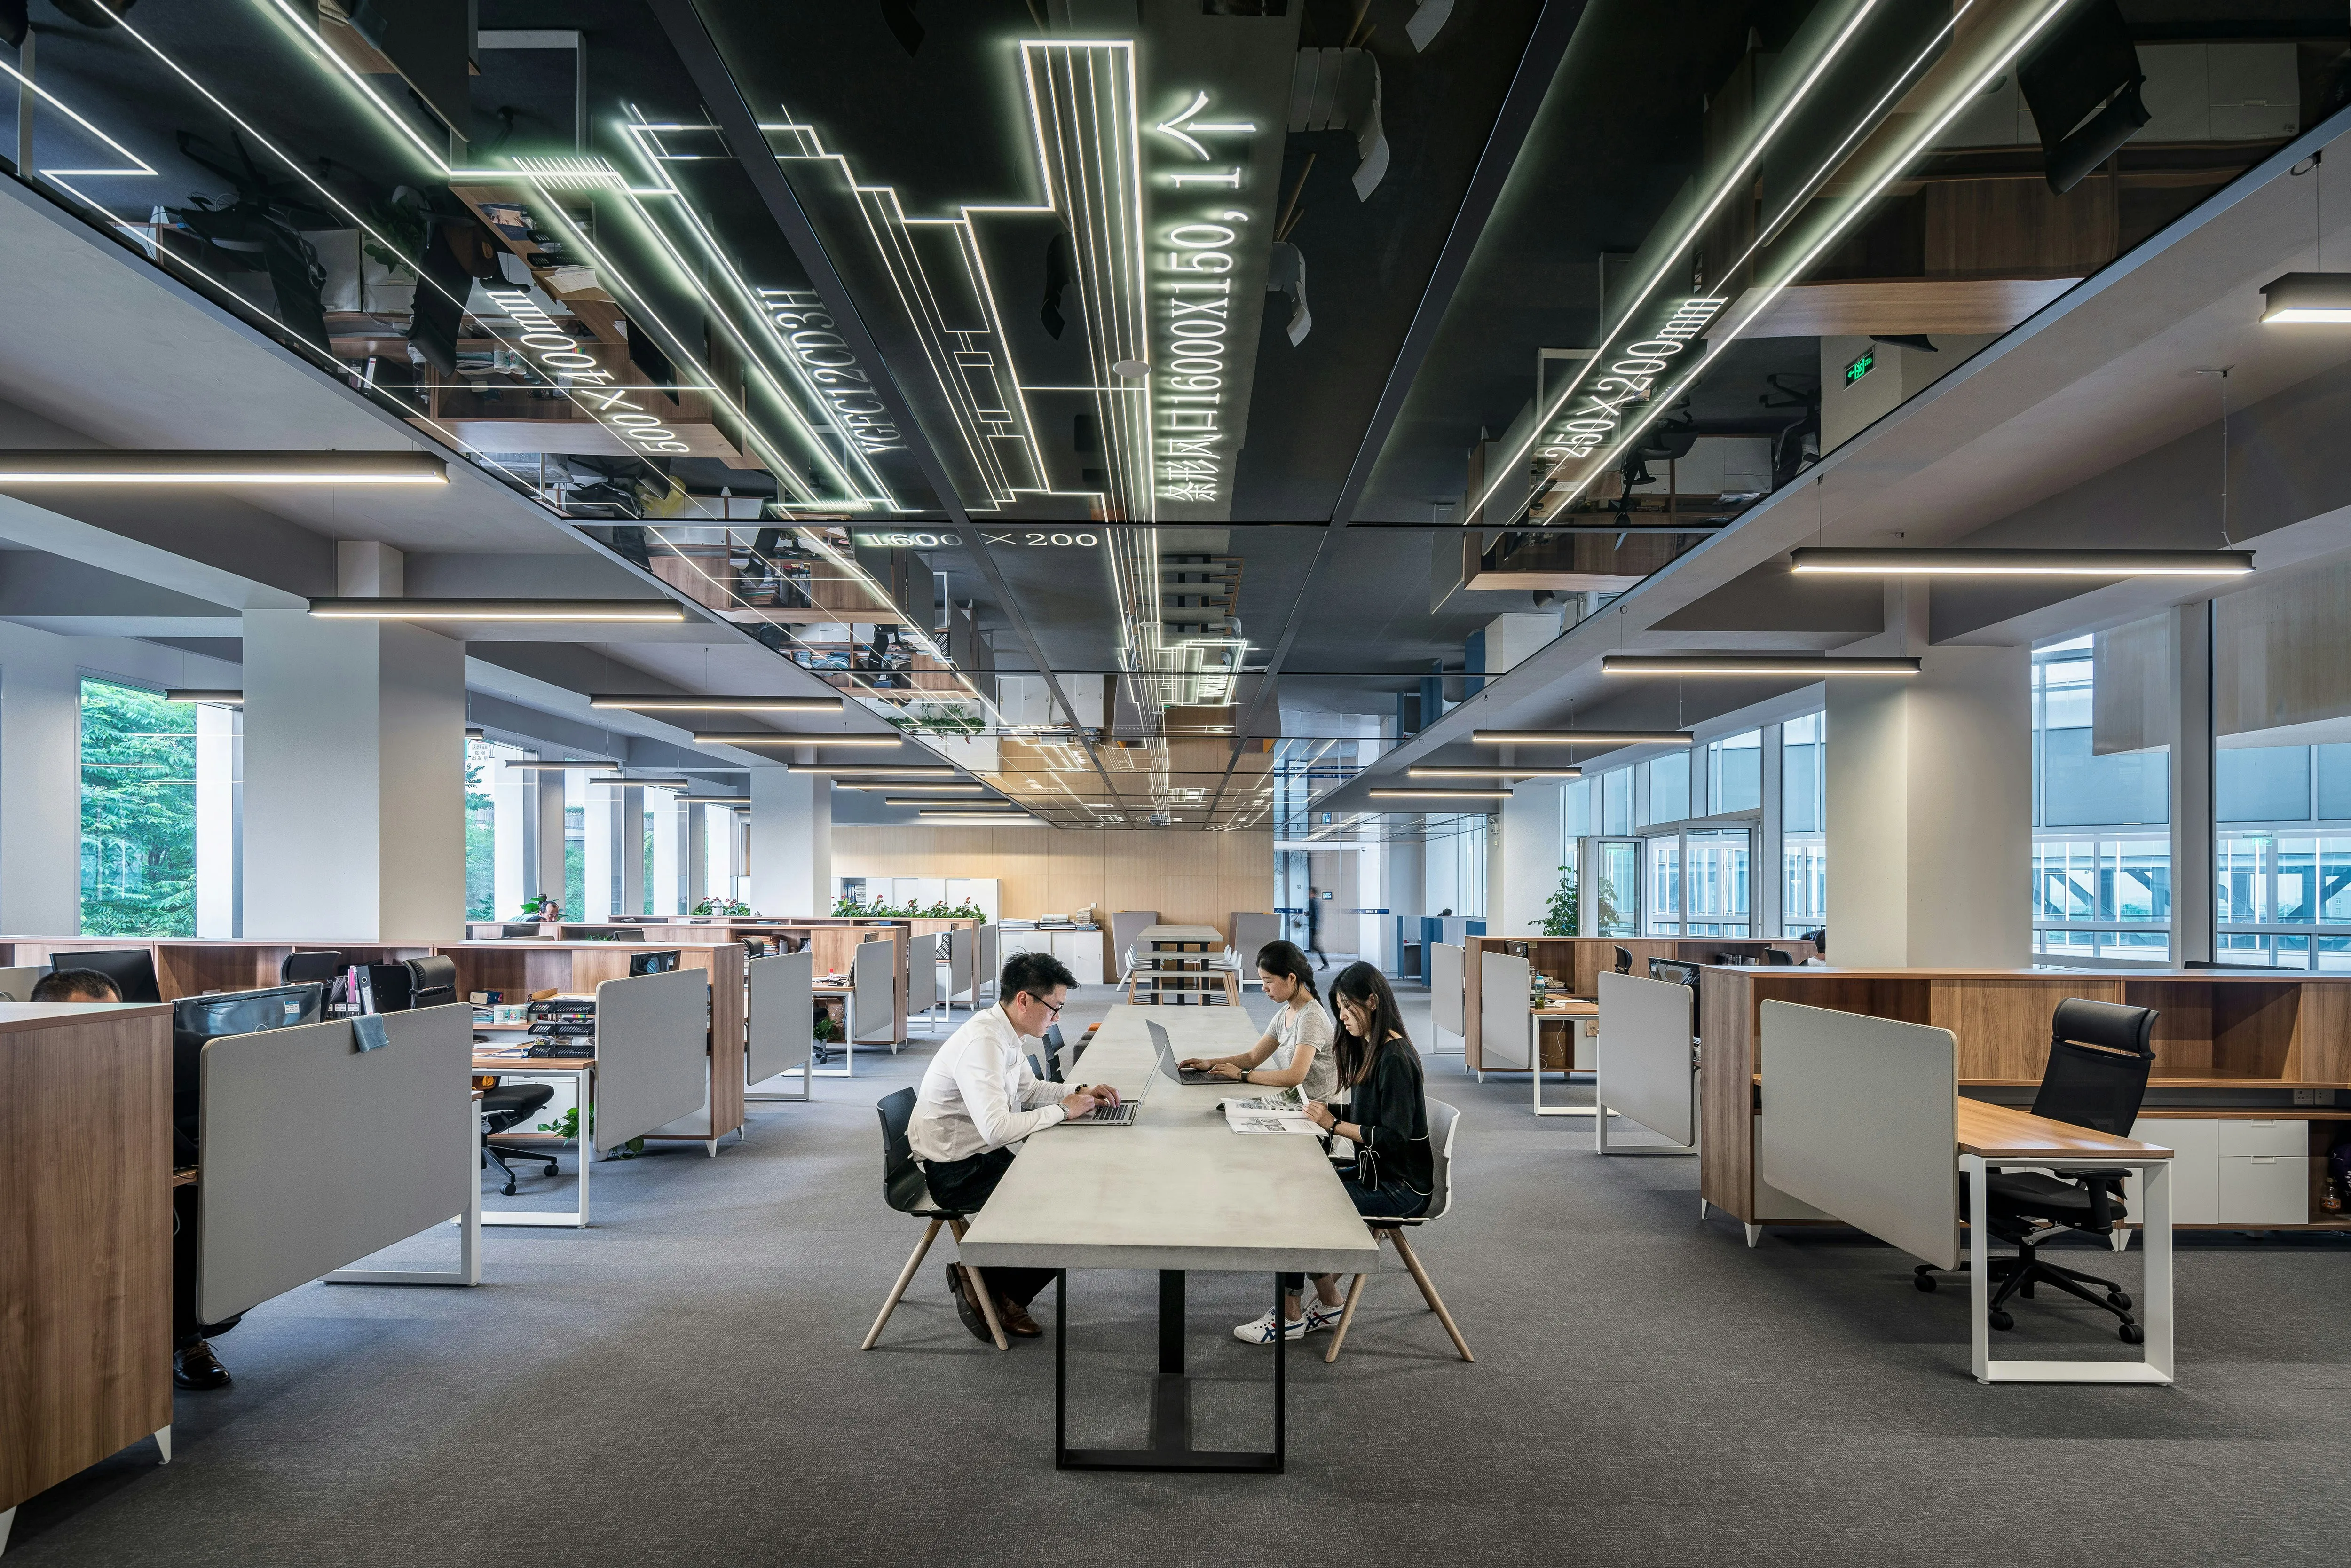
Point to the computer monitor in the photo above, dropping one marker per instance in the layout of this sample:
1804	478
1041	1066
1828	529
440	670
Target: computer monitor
659	963
132	970
195	1019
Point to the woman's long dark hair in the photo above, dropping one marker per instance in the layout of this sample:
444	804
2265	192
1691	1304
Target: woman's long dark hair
1364	986
1284	960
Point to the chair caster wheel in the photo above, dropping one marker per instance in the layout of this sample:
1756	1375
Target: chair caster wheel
2000	1320
2133	1334
2117	1301
1924	1282
508	1190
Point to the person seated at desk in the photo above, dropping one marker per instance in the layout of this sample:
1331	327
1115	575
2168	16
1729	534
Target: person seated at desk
1394	1172
977	1099
194	1365
1295	1053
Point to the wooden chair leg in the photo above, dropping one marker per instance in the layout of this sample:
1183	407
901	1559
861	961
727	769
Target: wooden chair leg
975	1284
1436	1303
905	1278
1346	1319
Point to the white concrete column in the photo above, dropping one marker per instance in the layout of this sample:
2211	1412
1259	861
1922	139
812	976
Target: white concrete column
1524	859
514	804
549	871
616	852
791	843
355	781
2192	914
670	857
694	849
41	787
1929	798
220	854
738	856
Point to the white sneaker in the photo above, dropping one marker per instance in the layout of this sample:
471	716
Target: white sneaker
1319	1317
1259	1329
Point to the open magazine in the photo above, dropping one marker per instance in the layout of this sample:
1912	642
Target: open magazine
1283	1110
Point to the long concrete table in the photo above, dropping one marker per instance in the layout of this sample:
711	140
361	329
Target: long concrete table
1176	1192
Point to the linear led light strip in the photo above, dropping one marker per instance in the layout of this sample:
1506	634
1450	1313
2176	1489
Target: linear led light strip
1675	256
638	133
1855	207
815	537
537	172
873	492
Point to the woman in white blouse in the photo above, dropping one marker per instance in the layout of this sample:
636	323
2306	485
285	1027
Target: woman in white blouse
1295	1053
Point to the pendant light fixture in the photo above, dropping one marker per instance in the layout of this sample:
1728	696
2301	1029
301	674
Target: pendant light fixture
1440	794
1809	665
686	701
1433	771
660	612
1813	561
1579	737
103	466
2321	297
777	737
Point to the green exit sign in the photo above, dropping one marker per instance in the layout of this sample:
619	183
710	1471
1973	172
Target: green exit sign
1861	367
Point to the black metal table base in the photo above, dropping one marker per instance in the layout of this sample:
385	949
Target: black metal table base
1171	1399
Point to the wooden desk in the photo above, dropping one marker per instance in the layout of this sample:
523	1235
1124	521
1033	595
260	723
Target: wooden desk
1994	1137
1175	1192
1576	963
1580	1015
85	1239
582	1071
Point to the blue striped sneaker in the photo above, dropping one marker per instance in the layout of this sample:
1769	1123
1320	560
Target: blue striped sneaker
1259	1329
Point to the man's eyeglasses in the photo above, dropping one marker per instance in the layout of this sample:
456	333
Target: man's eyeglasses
1052	1009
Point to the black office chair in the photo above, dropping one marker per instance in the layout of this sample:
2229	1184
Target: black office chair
1674	972
1778	957
325	966
2099	1057
904	1189
1624	960
1820	940
432	982
502	1108
1054	1052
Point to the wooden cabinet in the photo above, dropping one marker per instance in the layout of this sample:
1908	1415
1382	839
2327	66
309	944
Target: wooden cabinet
85	1238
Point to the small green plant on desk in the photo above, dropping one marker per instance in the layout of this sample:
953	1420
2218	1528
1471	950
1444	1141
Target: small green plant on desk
569	1128
825	1027
724	907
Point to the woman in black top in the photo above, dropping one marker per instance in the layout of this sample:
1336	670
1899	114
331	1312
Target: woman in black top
1387	1118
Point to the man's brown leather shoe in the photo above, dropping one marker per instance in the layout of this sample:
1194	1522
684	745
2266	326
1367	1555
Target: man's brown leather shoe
1016	1319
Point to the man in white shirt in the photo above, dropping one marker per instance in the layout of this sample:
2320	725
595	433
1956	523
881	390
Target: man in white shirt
977	1099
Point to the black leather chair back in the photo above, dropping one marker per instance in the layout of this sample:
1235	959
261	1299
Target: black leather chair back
1779	956
1053	1052
903	1186
1674	972
301	968
432	981
2100	1054
1624	960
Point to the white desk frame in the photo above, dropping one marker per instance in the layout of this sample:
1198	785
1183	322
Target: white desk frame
2155	1304
583	1076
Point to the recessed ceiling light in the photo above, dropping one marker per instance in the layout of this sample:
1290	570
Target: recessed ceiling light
2312	297
1813	665
2024	562
653	611
687	703
1579	737
108	467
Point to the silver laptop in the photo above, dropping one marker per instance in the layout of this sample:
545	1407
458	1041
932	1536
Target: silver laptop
1118	1116
1167	1049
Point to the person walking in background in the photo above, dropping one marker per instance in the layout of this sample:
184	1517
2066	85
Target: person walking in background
1314	928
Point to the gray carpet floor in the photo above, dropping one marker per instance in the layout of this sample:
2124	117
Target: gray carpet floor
681	1383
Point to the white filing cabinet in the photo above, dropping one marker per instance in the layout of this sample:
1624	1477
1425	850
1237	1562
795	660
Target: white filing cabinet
2232	1170
1082	951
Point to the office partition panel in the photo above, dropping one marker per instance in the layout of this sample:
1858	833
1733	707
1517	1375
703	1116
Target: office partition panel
316	1152
1506	1027
874	975
922	975
1645	1054
963	946
1861	1120
1444	987
653	1061
782	1008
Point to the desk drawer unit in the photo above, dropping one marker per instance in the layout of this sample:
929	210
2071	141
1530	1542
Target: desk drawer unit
2231	1170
